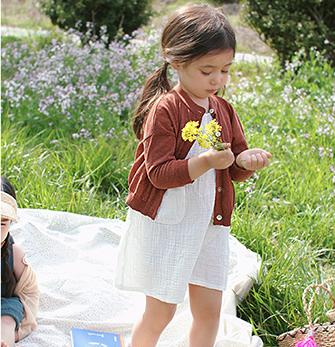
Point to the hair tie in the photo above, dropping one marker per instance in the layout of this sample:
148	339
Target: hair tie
165	66
167	60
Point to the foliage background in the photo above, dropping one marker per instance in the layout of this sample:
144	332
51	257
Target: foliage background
289	26
67	145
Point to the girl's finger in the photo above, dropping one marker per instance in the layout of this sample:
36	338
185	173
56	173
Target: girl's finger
259	162
253	162
259	150
246	163
265	160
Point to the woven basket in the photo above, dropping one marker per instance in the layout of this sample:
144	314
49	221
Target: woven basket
324	334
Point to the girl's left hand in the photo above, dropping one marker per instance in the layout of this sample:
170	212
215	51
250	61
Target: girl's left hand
253	159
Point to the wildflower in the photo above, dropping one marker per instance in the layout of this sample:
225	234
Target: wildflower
203	141
213	131
191	131
210	138
213	127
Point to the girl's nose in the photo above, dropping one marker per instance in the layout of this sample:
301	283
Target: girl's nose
216	80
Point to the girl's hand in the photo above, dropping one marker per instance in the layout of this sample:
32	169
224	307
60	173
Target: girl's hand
219	159
253	159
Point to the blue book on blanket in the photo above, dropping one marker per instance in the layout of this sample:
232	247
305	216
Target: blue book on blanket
90	338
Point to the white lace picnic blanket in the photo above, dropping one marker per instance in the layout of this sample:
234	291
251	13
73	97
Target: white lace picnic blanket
74	257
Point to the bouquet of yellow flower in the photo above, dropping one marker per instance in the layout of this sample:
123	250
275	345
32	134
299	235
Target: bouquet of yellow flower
211	138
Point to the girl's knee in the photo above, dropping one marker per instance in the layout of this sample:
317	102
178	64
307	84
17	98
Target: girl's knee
165	314
8	321
7	331
169	313
161	316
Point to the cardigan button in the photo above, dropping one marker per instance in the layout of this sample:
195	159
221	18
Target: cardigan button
219	217
211	111
220	189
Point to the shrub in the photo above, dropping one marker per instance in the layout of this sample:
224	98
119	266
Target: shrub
288	26
115	16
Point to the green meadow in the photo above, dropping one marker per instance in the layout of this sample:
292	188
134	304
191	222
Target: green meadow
67	144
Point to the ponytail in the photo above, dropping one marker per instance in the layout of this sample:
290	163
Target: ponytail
156	85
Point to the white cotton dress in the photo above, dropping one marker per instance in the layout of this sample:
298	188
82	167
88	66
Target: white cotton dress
161	257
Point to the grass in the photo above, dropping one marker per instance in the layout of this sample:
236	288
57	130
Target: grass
285	212
87	177
24	14
288	214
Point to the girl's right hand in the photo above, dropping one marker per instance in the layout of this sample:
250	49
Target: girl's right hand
219	160
210	159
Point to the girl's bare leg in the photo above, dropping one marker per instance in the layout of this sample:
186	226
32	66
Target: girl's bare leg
156	317
7	331
205	306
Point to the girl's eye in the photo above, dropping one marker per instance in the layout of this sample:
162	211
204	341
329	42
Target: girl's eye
208	73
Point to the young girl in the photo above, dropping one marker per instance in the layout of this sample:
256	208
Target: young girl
19	291
181	196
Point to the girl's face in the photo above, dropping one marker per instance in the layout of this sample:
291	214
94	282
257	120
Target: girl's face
5	223
206	75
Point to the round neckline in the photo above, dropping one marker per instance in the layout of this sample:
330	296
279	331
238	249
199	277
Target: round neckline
191	103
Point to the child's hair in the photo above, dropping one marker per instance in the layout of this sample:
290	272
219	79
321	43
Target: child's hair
7	276
192	32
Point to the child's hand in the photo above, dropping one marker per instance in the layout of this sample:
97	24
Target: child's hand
219	159
253	159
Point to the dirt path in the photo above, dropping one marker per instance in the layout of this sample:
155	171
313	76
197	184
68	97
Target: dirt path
19	32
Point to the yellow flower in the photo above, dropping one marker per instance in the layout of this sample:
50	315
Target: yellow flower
210	138
203	141
191	131
213	127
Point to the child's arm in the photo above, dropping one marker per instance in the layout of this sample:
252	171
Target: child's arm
164	170
246	160
211	159
27	290
18	255
159	142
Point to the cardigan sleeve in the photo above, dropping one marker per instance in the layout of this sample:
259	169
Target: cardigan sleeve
238	145
160	141
28	292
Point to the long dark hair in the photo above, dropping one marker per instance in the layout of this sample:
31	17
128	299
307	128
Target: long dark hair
190	33
8	279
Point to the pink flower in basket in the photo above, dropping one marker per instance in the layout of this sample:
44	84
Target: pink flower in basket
308	342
